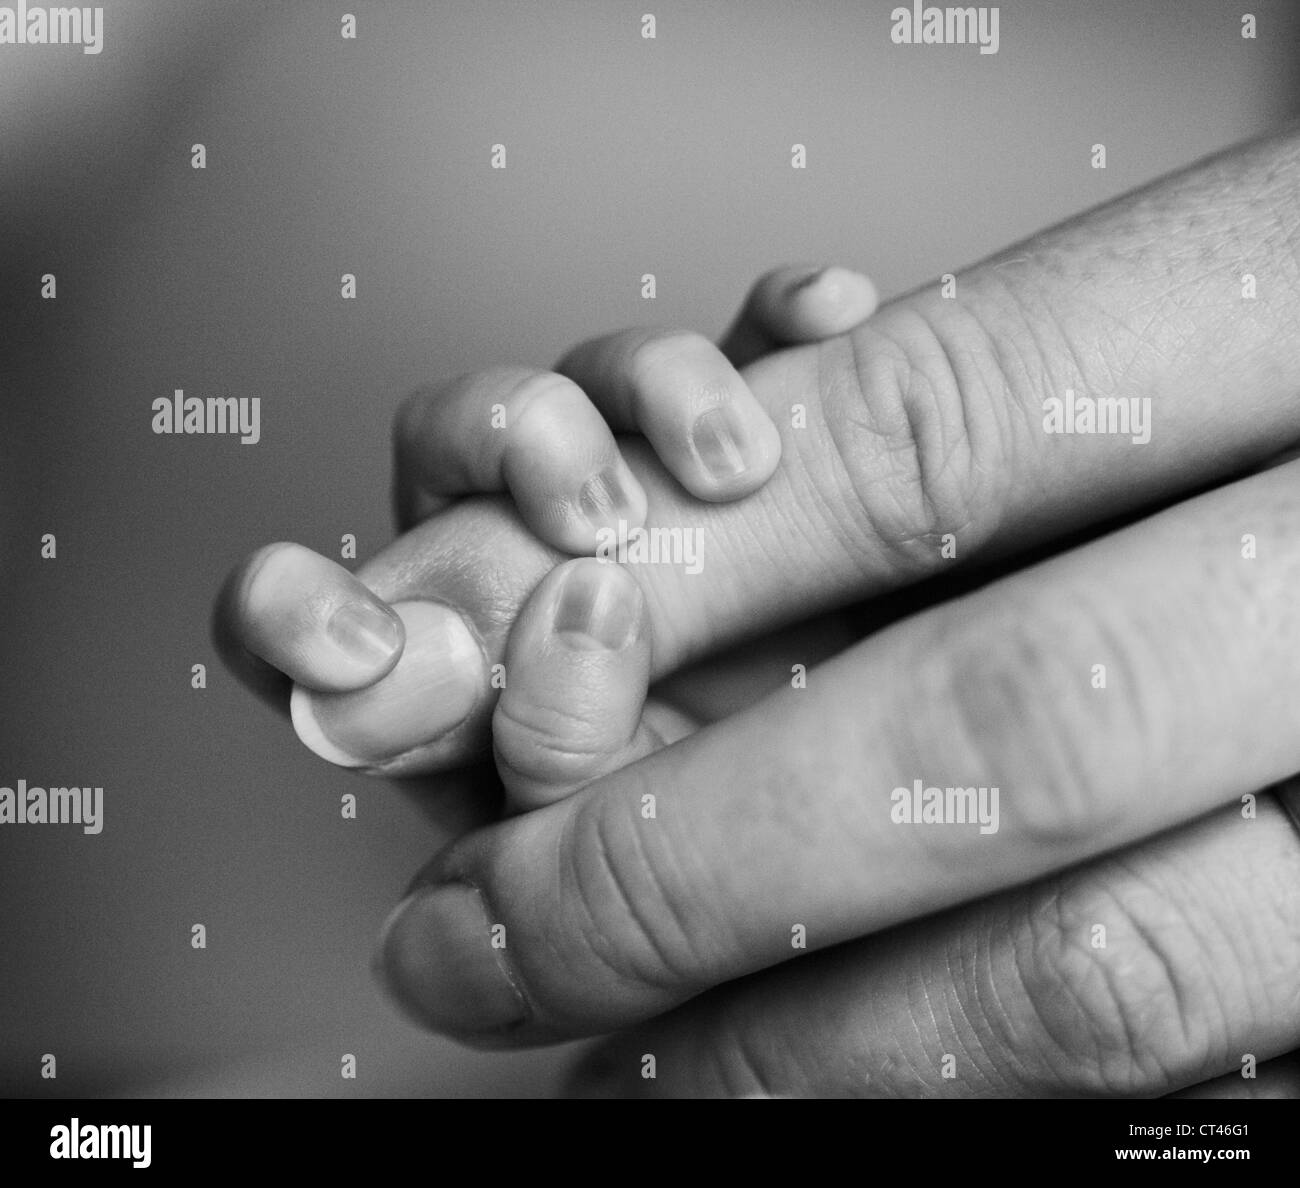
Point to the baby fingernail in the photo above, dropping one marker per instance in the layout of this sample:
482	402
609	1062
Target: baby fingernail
366	632
433	687
439	959
599	606
718	438
605	499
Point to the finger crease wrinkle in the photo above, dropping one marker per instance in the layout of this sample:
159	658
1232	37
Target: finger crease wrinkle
666	976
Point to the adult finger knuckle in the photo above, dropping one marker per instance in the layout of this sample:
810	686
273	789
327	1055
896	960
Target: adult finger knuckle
745	1057
633	915
921	415
1025	715
1109	971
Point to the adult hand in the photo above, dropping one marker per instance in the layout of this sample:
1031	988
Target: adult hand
779	832
925	423
778	822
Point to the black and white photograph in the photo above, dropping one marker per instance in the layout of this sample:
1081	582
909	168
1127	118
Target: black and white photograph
704	550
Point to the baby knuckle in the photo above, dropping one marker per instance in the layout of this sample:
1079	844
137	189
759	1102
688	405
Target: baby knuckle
662	354
546	743
540	399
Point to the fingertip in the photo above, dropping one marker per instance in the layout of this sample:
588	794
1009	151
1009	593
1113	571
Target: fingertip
736	448
610	501
564	469
823	303
583	519
577	677
588	604
310	618
598	606
306	725
416	718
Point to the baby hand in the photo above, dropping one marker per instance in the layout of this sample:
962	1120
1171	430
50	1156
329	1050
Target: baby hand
290	613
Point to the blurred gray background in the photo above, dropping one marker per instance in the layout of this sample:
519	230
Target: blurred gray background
327	156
